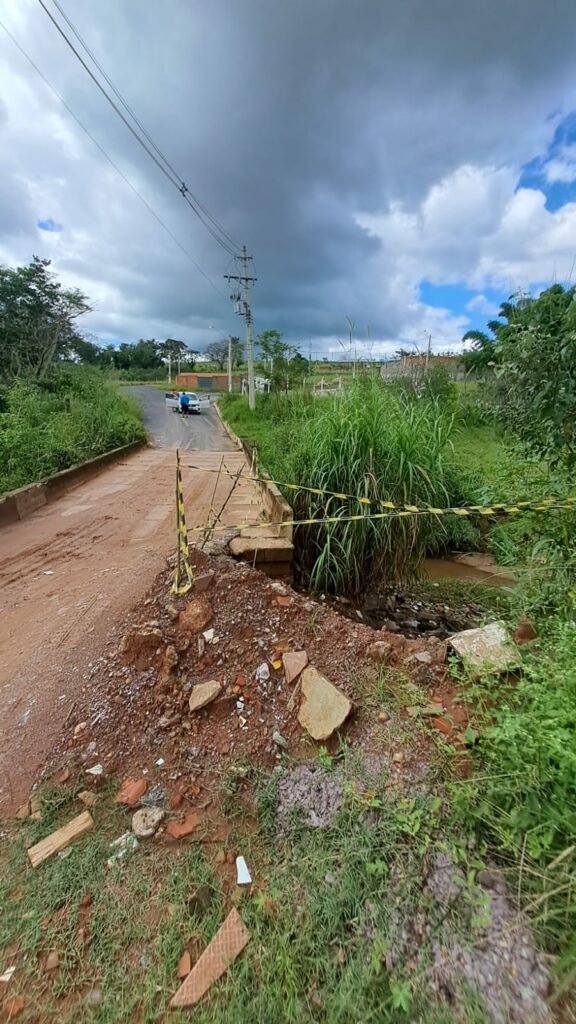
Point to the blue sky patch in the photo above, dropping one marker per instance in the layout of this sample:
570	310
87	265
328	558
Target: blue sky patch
478	307
555	172
48	225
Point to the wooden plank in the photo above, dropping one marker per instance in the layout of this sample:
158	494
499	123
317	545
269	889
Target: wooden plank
228	942
56	841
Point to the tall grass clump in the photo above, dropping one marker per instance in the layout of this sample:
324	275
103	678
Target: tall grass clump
71	417
371	443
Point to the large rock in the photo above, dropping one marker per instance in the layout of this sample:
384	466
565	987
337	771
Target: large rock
485	649
203	694
324	707
294	663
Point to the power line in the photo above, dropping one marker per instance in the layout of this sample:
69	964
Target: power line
209	222
111	161
141	127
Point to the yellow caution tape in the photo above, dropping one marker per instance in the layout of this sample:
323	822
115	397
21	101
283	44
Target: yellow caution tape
370	516
538	505
183	577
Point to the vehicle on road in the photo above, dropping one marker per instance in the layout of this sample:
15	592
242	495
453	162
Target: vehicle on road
172	400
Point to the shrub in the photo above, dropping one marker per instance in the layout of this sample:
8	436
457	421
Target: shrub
74	415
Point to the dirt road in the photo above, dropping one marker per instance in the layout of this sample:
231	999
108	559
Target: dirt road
170	430
68	574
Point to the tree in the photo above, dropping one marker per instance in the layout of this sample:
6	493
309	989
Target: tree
85	351
237	352
37	319
483	351
218	352
533	349
282	364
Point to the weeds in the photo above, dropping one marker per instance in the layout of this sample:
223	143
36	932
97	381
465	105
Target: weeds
74	415
370	442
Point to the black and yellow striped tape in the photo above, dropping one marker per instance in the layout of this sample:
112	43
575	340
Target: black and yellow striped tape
183	573
537	505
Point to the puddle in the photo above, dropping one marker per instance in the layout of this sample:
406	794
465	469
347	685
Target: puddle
479	568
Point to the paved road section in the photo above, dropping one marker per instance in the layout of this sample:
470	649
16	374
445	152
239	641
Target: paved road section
169	429
68	575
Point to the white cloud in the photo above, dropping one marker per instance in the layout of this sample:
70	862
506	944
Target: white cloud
474	229
562	167
482	306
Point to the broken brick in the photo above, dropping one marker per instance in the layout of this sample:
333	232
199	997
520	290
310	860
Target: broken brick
130	791
180	829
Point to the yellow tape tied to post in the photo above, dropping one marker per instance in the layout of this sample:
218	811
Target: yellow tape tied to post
183	577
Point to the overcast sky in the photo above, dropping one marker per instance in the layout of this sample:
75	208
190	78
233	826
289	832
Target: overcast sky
405	164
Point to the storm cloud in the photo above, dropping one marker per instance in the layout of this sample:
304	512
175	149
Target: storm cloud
357	149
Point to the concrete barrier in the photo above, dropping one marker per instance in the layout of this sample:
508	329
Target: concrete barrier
24	501
275	504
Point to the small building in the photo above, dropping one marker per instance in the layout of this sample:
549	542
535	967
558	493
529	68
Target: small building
408	365
208	381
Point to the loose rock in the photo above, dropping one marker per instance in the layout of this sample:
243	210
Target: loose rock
52	961
487	649
203	694
324	707
294	663
146	821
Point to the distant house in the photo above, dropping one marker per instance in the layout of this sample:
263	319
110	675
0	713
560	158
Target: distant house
207	381
412	364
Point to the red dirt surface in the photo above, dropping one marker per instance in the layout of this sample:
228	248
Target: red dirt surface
134	708
67	576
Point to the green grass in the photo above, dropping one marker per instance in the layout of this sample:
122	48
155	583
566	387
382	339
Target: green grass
74	415
370	442
319	916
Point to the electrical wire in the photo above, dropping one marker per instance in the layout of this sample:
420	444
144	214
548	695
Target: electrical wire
209	222
183	188
112	163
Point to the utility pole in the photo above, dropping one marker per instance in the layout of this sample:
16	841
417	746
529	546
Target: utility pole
229	363
241	300
169	369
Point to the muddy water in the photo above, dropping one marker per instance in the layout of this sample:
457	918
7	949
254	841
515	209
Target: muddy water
476	567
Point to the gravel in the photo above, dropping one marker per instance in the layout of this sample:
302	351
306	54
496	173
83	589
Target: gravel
318	794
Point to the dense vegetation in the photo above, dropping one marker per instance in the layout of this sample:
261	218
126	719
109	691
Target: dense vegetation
71	416
506	435
54	412
374	442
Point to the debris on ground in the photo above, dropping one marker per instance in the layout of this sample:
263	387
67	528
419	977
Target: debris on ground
180	829
131	791
294	664
162	698
87	798
203	694
184	965
59	839
8	975
52	960
122	846
226	945
324	707
315	794
485	649
13	1006
243	876
147	821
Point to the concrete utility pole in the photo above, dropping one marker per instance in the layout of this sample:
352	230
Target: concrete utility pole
230	363
241	302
